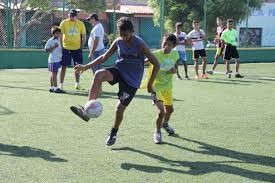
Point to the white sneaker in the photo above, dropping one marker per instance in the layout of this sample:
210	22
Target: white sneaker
77	86
158	137
61	87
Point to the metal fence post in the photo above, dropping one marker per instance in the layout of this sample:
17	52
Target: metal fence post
114	17
9	24
205	16
162	4
63	9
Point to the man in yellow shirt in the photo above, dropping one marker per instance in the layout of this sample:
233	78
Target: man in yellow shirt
73	39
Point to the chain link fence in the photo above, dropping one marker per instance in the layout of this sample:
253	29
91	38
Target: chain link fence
23	27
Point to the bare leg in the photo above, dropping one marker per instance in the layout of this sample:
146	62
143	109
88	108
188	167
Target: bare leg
169	109
51	79
216	62
203	65
77	77
99	77
185	68
62	73
160	115
118	115
227	66
237	65
196	67
54	79
177	67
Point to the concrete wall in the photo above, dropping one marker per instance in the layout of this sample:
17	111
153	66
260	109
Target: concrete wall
36	58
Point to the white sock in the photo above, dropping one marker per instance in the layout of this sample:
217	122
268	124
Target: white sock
51	87
54	88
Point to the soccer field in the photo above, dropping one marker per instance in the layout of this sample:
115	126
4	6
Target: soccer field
225	131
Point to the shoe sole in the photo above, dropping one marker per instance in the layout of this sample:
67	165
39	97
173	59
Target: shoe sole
75	111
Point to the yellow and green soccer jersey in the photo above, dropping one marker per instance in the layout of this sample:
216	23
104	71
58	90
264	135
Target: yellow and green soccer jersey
164	80
72	31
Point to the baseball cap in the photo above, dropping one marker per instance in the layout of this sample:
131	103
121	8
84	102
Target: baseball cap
92	15
73	12
179	24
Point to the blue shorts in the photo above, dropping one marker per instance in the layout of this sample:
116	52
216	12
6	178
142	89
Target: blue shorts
182	55
53	67
95	55
67	56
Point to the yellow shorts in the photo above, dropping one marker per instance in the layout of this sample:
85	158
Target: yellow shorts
165	96
219	51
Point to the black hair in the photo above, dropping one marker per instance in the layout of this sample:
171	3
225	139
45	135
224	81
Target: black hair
170	37
55	29
125	24
196	21
220	17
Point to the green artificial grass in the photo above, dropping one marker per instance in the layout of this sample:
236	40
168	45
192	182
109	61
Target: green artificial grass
225	131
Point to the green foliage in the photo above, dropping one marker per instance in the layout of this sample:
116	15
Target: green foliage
188	10
88	5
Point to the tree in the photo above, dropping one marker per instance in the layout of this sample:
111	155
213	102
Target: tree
37	10
189	10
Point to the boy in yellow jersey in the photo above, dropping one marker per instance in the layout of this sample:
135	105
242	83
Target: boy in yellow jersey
163	84
73	39
229	38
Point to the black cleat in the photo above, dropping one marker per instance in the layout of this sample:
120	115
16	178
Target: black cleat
58	90
111	140
79	112
168	129
238	76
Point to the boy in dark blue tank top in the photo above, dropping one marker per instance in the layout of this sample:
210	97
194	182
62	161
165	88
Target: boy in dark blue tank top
127	72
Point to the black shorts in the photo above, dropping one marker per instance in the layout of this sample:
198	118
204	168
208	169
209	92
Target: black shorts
126	92
199	53
230	52
67	56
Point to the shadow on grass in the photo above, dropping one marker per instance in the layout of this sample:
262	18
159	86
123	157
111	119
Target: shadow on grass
218	151
199	167
5	111
229	82
28	152
23	88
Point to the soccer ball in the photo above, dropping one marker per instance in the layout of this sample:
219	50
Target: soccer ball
93	109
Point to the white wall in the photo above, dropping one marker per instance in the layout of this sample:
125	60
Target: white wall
265	19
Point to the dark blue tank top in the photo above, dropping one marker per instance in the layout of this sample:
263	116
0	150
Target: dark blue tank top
130	61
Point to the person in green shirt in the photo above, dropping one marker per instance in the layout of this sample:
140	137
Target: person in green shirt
229	38
163	84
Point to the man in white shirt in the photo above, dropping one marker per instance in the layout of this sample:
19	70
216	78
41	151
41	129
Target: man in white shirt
196	36
95	42
180	47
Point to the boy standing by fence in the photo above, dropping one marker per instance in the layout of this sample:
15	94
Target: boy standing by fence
180	47
196	36
53	46
229	38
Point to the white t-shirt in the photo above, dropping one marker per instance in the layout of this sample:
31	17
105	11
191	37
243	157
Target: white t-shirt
181	37
97	31
56	54
196	39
